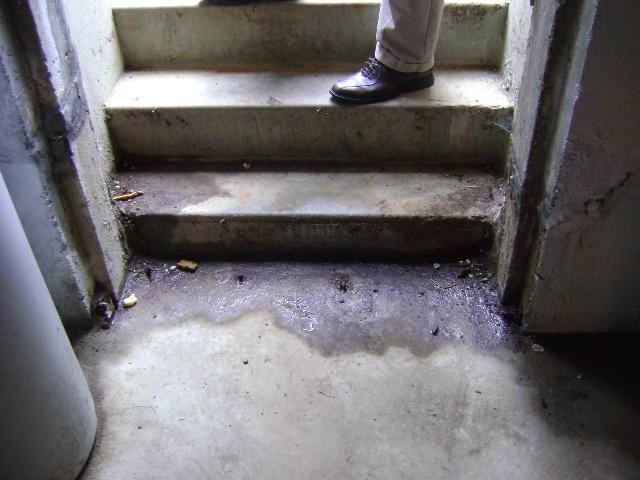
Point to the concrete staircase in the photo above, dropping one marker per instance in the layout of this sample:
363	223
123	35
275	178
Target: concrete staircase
224	121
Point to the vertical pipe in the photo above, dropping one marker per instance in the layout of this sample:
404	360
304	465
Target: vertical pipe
48	417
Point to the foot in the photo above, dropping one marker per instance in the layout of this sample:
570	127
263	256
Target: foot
375	82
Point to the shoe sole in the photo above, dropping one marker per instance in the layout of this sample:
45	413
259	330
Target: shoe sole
417	84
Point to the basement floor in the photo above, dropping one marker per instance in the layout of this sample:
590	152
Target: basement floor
350	371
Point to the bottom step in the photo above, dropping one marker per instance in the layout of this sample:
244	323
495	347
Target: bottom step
304	215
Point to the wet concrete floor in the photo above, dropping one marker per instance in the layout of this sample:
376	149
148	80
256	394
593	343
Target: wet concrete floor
344	371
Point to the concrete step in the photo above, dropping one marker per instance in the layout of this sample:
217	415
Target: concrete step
253	214
288	115
186	33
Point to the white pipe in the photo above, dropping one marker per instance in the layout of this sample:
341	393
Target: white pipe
48	420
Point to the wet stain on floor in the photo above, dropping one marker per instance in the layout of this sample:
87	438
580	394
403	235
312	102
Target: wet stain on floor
338	308
348	371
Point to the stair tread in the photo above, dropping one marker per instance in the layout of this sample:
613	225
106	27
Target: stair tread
185	89
464	194
133	4
192	33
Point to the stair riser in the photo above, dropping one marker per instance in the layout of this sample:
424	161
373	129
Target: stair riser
469	136
208	238
286	33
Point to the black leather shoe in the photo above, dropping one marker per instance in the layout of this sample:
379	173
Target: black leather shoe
376	82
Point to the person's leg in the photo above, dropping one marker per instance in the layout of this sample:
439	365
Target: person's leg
406	41
407	34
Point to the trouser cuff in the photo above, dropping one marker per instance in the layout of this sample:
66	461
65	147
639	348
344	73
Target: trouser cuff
385	56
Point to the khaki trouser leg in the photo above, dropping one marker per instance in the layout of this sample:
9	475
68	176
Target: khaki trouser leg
408	33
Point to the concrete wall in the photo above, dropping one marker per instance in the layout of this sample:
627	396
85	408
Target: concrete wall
100	64
516	44
72	63
585	273
96	46
548	49
25	162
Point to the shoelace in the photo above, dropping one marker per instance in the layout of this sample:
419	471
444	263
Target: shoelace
371	69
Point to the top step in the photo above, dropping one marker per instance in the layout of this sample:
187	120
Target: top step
192	33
